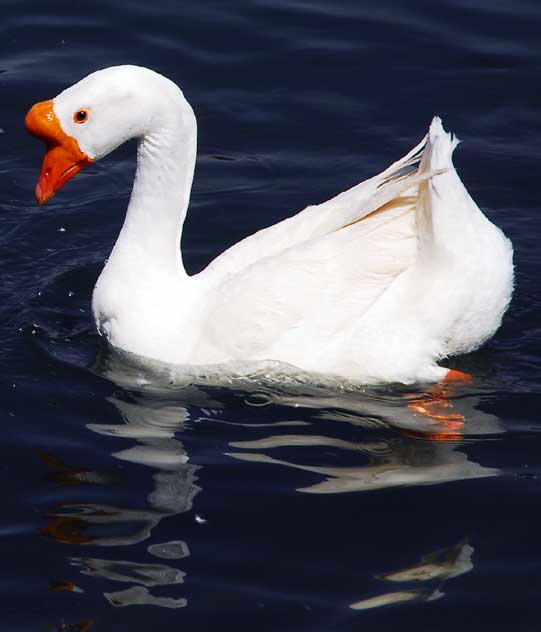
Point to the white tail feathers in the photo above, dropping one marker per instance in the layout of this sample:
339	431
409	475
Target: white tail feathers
438	151
437	159
431	157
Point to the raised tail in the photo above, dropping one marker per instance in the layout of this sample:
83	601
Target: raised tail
442	199
430	158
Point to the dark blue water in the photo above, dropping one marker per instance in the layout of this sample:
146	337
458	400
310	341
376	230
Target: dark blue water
198	507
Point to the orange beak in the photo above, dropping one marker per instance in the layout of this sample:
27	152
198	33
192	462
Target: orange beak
63	157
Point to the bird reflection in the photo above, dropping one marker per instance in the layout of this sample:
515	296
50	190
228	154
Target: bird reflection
152	424
404	462
408	457
376	440
137	595
119	571
393	598
433	570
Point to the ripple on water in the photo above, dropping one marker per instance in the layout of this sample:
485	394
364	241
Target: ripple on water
283	500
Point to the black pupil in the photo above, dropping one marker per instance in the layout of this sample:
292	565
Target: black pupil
80	116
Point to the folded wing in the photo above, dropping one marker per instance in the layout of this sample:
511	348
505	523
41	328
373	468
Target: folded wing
322	219
312	277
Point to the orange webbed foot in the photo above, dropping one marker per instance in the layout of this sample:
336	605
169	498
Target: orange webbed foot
458	376
437	405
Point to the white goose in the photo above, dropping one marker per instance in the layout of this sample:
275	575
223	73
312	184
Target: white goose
377	284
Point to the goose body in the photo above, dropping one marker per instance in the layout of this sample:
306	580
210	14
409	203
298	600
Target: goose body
376	284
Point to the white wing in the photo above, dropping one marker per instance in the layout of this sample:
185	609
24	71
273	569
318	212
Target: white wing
318	288
318	220
385	275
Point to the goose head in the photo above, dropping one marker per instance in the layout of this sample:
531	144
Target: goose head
93	117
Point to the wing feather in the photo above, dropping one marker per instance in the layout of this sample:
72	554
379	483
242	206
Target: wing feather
319	220
316	290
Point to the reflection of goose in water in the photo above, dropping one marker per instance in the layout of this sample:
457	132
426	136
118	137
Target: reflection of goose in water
406	458
376	445
432	571
389	461
146	575
438	565
174	483
152	423
405	462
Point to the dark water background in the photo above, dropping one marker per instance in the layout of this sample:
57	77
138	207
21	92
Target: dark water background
296	100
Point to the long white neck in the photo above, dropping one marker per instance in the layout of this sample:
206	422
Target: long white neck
150	237
144	295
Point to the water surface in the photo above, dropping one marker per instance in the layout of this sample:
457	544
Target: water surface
184	504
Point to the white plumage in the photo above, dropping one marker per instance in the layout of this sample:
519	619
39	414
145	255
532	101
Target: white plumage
377	284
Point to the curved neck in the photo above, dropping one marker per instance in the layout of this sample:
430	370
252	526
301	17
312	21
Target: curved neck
150	237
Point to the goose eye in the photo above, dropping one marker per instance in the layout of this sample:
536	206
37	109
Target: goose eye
80	116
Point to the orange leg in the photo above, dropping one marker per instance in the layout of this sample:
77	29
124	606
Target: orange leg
458	376
438	405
